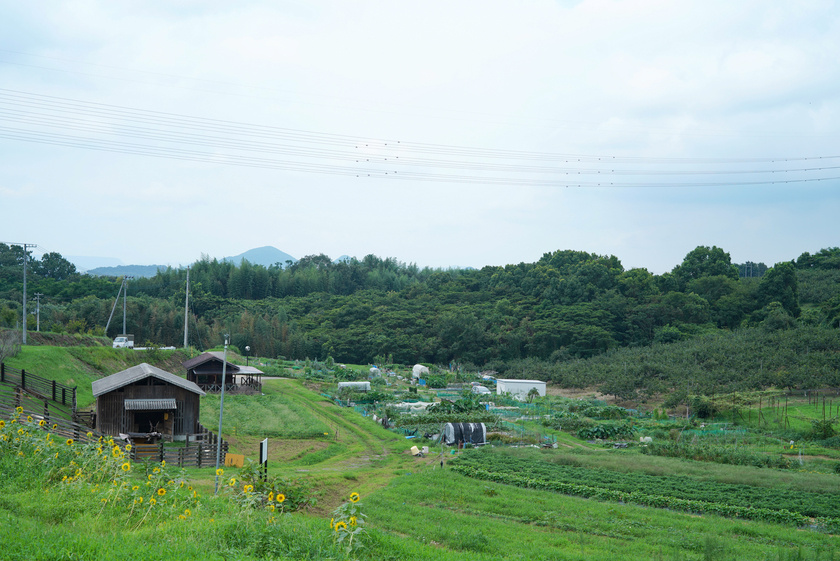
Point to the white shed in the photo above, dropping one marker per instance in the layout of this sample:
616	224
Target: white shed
358	386
419	370
519	388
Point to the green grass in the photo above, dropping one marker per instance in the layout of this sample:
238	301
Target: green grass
80	366
416	510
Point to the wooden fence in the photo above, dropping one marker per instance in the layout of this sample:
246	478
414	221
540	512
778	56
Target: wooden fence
193	454
41	387
58	425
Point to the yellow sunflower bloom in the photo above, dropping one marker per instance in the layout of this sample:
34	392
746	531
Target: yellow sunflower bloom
352	520
354	497
126	466
2	424
161	492
341	525
232	481
42	423
152	501
187	512
281	497
69	442
248	488
220	472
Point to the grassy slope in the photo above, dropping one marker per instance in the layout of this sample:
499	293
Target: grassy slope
443	515
80	366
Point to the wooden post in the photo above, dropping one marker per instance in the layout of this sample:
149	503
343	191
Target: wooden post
161	451
2	371
53	390
23	378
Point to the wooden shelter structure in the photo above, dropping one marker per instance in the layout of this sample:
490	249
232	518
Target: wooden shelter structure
205	371
146	403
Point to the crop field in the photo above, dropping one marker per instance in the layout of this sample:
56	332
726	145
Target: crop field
580	500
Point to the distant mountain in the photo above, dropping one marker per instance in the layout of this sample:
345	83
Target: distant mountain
343	259
265	256
126	270
86	262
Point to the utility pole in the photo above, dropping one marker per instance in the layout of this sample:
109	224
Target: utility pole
186	308
38	311
125	297
25	245
221	413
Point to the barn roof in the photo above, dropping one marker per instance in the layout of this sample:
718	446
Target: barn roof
137	373
208	357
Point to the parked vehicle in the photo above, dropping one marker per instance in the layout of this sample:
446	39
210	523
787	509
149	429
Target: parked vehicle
125	340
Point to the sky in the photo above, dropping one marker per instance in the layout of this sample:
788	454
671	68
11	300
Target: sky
445	134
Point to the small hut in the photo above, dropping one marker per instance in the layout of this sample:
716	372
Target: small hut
144	400
206	371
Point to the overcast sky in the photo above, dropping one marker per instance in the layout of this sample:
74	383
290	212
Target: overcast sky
439	133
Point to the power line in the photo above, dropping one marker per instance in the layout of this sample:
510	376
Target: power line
126	130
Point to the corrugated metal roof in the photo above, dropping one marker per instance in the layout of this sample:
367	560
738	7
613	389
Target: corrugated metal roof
149	404
207	357
137	373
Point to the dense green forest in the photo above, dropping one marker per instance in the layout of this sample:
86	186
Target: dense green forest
544	317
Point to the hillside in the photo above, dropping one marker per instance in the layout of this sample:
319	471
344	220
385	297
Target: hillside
495	503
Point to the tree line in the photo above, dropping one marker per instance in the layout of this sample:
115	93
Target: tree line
567	306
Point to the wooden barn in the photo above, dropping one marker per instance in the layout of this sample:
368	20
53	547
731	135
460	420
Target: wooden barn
205	371
146	402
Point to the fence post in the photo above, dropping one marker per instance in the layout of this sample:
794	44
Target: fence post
2	371
161	451
62	396
53	390
23	378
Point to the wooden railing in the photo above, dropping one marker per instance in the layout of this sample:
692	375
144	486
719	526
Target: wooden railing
41	387
55	424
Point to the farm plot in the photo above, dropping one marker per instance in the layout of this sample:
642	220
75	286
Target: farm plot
675	492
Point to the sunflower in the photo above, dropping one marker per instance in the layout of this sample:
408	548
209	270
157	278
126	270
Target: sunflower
271	496
42	423
187	512
248	488
29	418
354	497
340	525
126	466
352	520
232	481
115	451
69	442
220	472
332	523
2	424
281	498
270	508
152	501
161	492
128	447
